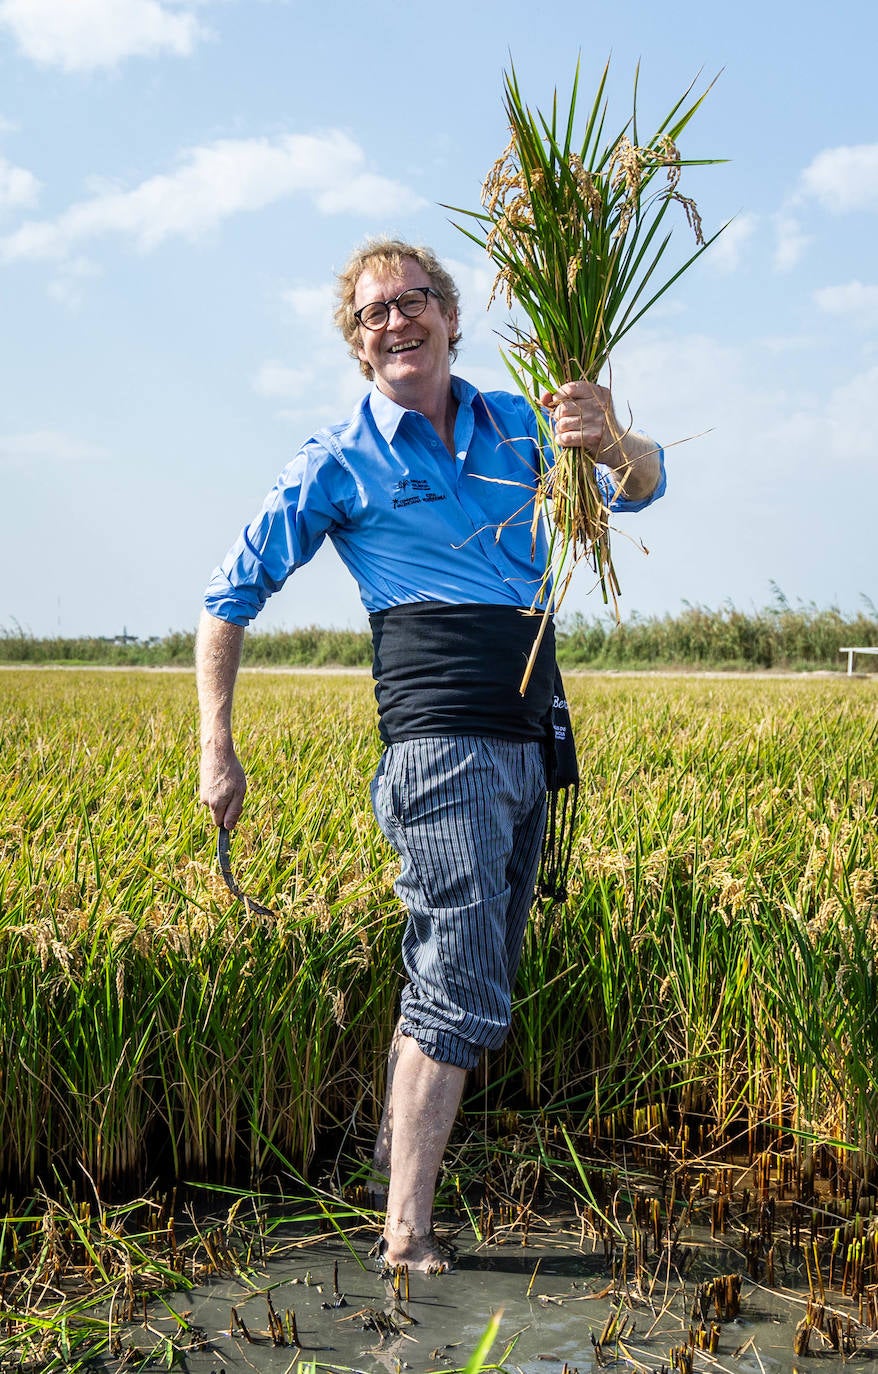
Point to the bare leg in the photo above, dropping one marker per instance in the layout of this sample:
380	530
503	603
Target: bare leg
426	1096
381	1153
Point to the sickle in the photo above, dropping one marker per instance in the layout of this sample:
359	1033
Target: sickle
222	853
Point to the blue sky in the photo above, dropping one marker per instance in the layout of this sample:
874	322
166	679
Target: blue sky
179	181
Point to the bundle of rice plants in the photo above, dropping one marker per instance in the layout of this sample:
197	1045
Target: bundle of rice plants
578	233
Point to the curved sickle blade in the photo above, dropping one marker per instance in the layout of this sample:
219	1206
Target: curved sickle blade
223	840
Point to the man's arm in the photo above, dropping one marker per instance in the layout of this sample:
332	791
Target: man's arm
217	657
584	417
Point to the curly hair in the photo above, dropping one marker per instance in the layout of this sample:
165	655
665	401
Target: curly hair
385	257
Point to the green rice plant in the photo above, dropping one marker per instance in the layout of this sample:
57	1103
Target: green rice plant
701	826
72	1273
576	226
819	967
150	1025
148	1017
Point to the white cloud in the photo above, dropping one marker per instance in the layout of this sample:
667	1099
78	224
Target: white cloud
786	469
474	280
279	380
365	194
313	305
48	445
68	285
212	183
855	300
79	35
780	344
485	377
844	179
19	188
829	436
724	254
790	244
677	386
338	386
776	425
332	382
848	405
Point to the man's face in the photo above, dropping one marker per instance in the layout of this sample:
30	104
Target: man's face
408	357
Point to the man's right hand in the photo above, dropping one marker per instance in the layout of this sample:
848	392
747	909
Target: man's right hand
223	784
217	655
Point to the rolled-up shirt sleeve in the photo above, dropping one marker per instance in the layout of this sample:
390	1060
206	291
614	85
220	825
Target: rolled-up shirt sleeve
618	502
306	503
610	494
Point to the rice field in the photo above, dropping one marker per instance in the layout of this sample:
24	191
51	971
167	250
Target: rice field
708	988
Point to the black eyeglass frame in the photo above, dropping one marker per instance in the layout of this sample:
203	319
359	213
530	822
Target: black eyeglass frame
395	300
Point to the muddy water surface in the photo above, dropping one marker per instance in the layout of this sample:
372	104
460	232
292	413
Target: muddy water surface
556	1297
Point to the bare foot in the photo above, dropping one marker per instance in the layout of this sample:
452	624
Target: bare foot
420	1254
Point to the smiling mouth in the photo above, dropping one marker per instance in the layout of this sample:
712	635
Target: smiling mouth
407	347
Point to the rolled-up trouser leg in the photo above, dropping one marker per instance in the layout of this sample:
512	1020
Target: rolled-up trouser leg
466	816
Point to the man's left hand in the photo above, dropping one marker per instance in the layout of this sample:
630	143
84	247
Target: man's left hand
582	413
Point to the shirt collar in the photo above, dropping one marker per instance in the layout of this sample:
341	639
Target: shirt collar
388	415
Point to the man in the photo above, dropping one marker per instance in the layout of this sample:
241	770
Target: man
427	494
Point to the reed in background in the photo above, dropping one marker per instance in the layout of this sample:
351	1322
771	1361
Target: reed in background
777	636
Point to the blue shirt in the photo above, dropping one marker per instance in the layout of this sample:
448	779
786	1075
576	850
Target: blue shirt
410	522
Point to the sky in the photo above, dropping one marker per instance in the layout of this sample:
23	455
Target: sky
181	179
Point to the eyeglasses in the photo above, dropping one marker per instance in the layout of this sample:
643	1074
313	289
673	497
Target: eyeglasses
410	303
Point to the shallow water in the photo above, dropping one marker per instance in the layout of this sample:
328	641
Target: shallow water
549	1318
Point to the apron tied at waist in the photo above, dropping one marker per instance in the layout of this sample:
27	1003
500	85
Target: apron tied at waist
562	787
443	669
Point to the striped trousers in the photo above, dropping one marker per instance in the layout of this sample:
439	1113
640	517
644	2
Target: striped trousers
466	816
